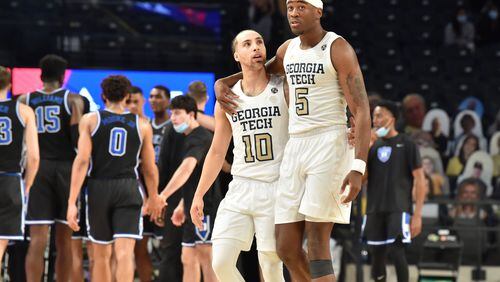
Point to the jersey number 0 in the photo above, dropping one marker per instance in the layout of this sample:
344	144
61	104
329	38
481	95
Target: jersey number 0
118	141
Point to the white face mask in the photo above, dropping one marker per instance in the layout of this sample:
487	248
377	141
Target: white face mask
181	128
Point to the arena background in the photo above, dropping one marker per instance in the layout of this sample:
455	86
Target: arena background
403	46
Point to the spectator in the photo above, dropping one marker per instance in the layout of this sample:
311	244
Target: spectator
414	110
198	91
496	156
456	164
260	16
438	183
467	123
469	193
460	31
495	127
479	166
488	28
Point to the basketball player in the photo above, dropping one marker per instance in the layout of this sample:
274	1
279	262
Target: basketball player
159	99
113	140
318	176
17	124
57	115
394	173
259	131
136	101
196	243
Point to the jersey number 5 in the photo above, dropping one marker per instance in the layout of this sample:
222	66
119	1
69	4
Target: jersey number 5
263	147
5	131
47	119
301	102
118	141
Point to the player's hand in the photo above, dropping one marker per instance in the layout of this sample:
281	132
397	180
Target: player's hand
160	221
197	211
415	225
353	179
351	133
155	206
72	217
178	217
225	97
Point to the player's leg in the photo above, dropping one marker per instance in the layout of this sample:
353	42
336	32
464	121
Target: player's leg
77	257
271	266
225	256
64	262
204	255
143	260
101	270
289	238
190	264
398	255
3	247
399	229
124	252
318	250
379	256
34	259
90	255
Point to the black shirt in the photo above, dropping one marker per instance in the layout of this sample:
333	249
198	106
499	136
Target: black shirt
158	133
116	145
11	137
196	146
391	163
53	117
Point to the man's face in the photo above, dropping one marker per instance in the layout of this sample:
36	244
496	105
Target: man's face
301	16
250	49
470	146
158	100
414	112
382	118
135	103
179	116
470	193
428	166
467	123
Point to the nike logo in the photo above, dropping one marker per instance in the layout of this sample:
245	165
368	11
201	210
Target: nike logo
380	277
400	145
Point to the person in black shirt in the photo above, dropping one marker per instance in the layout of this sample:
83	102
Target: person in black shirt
394	170
113	140
17	123
197	249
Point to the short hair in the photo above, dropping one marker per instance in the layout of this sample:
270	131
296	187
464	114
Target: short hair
184	102
135	89
198	90
5	78
164	89
53	68
390	106
478	183
115	88
410	96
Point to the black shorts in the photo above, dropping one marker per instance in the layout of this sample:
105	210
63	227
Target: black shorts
48	198
82	215
114	210
192	236
151	229
11	207
386	228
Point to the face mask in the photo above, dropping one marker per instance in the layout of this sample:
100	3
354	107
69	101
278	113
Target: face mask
383	131
462	18
181	128
493	14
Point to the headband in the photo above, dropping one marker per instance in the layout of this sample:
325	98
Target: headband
315	3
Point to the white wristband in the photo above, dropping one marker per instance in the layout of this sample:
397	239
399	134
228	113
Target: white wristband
359	166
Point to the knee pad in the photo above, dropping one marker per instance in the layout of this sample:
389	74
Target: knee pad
320	268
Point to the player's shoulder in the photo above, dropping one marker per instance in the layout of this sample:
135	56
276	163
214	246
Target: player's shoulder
276	80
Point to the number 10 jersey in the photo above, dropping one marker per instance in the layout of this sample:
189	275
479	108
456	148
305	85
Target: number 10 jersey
260	132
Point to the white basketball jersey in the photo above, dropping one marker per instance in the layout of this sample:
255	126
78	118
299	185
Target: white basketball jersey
260	132
316	98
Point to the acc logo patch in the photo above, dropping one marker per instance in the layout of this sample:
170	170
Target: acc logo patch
274	90
323	47
384	153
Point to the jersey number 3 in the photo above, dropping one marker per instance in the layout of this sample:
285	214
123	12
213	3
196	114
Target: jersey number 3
5	131
118	141
263	144
47	119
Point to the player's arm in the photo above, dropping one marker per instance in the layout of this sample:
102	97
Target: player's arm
351	81
80	167
213	163
420	190
223	86
77	106
206	121
150	172
32	150
180	177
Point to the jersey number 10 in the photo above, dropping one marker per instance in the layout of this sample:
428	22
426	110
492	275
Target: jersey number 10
263	144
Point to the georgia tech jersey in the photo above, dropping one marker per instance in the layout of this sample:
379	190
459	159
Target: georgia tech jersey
316	98
260	132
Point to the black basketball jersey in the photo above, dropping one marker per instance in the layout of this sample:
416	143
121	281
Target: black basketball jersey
116	144
53	116
158	132
11	137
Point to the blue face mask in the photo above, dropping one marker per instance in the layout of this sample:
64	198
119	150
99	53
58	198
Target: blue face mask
181	128
493	14
462	18
382	132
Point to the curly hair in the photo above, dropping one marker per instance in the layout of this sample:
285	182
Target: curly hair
115	88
